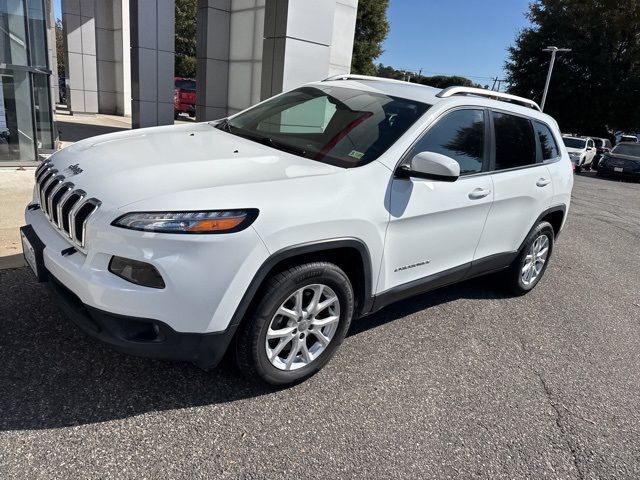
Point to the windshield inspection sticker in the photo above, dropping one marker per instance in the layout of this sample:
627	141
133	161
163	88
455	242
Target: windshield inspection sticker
356	154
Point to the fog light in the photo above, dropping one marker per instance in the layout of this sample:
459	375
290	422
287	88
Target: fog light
137	272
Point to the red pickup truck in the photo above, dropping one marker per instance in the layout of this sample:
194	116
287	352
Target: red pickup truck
184	97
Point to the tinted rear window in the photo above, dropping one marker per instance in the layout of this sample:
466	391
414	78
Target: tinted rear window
548	143
514	141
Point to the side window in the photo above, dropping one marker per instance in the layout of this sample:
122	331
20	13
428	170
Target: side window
459	135
514	141
548	143
590	143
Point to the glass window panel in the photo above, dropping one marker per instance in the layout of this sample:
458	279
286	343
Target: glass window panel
16	115
13	36
547	142
37	34
515	144
459	135
42	106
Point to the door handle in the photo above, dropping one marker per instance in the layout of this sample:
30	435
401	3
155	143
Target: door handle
479	193
543	182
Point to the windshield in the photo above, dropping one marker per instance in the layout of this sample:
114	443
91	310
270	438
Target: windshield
632	149
186	84
336	125
574	142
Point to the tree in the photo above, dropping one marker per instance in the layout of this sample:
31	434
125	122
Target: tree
595	85
186	30
60	48
437	81
372	27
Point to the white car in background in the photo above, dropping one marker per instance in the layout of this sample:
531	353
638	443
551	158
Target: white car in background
582	151
268	231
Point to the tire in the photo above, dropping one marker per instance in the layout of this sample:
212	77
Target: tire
274	361
515	276
176	114
578	168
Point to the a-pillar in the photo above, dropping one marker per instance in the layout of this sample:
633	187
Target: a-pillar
152	25
78	19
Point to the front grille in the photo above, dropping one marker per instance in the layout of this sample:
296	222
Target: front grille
67	208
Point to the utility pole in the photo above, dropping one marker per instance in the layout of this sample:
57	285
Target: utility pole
554	51
499	81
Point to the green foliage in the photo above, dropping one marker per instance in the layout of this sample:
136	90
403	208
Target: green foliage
597	84
186	32
60	48
437	81
372	27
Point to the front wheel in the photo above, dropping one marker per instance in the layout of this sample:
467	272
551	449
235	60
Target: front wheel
301	319
529	266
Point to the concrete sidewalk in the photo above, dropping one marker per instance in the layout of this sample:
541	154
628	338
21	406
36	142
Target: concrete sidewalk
16	186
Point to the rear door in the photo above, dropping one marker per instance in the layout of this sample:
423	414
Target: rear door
435	226
522	185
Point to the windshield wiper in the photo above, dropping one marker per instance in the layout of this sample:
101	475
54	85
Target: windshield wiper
282	146
224	125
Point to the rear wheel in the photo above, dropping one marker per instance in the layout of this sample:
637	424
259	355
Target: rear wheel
529	266
300	321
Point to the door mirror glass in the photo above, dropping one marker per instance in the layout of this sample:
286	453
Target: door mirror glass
431	166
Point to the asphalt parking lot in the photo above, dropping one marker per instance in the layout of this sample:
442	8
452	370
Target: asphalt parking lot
464	382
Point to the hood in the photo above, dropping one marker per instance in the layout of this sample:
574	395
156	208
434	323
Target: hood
127	167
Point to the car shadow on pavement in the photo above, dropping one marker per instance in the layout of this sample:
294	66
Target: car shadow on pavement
54	376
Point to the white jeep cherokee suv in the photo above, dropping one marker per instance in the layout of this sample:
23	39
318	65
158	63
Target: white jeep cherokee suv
272	229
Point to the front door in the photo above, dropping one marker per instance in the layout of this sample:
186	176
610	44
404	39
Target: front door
435	226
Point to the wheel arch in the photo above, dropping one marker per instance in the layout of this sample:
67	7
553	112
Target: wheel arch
350	254
554	215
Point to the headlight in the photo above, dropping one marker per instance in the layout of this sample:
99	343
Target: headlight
212	221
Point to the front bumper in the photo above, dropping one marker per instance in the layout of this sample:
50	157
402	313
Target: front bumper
205	276
142	337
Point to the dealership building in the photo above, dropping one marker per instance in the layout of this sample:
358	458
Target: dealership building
119	60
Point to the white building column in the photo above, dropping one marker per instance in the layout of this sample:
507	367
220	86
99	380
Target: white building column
305	41
246	38
152	24
112	40
212	72
78	18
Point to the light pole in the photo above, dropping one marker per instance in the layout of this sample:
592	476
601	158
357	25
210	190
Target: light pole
554	51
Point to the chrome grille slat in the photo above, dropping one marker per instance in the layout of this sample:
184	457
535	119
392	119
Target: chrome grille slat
48	193
61	203
60	193
72	214
56	196
44	183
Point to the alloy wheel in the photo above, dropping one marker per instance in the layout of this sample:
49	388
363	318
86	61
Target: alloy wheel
302	327
535	260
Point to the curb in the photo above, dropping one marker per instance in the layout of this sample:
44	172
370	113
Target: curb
12	261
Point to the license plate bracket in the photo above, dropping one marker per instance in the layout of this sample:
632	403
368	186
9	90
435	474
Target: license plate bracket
32	249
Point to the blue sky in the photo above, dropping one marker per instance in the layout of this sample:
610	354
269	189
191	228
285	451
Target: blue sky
462	37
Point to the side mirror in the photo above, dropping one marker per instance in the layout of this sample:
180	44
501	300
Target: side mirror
431	166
